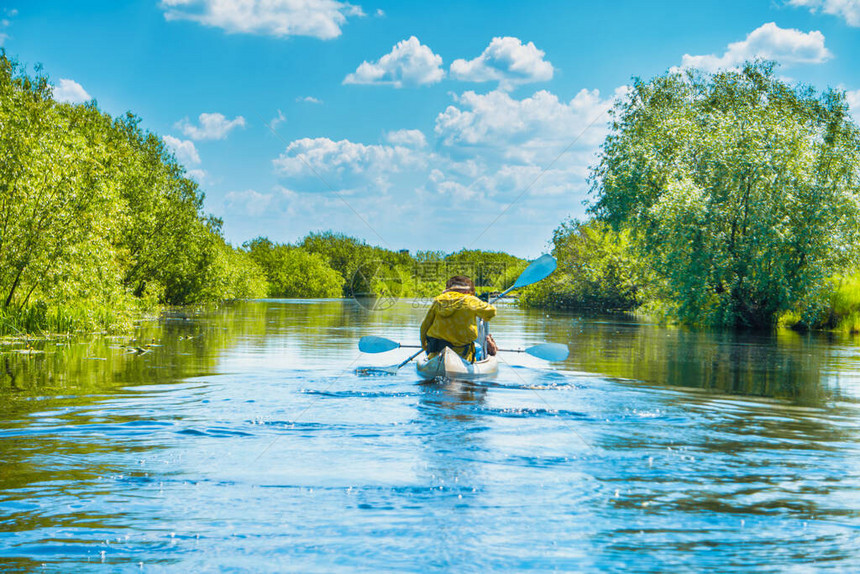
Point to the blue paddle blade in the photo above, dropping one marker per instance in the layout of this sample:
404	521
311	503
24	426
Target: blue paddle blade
549	351
540	269
373	344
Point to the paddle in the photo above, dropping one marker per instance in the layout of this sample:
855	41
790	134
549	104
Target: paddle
538	270
545	351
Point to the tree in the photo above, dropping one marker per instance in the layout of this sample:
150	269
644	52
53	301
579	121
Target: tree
486	268
58	207
742	191
97	218
598	270
364	268
293	271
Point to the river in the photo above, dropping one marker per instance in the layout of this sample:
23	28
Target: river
243	439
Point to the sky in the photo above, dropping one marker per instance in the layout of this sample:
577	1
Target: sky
422	125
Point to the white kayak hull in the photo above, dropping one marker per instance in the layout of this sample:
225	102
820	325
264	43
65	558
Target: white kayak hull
450	365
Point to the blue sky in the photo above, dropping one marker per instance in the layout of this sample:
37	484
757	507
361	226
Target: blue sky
434	125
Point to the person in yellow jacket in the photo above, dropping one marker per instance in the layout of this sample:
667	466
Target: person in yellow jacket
451	320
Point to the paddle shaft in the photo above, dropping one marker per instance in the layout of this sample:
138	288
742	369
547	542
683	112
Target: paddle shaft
412	357
538	270
502	294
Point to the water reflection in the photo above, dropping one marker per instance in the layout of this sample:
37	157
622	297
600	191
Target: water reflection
785	365
654	448
451	431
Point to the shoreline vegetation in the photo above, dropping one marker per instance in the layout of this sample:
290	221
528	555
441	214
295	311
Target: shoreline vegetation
728	200
725	200
100	225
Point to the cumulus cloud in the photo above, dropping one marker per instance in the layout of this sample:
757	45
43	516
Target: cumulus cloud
321	19
71	92
408	64
501	147
346	161
848	10
212	126
489	151
184	150
408	138
309	100
249	202
769	41
484	142
507	61
524	128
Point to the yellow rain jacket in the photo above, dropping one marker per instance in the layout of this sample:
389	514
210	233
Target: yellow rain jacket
452	318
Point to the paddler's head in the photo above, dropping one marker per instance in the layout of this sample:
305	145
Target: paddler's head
461	284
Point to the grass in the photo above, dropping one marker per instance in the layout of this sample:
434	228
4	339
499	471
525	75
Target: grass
841	313
845	304
41	319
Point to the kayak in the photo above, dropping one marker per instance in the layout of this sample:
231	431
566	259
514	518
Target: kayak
450	365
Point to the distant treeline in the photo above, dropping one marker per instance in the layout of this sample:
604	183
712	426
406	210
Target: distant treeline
330	264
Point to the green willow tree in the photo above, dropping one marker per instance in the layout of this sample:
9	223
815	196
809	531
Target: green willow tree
742	191
97	218
57	198
293	272
598	270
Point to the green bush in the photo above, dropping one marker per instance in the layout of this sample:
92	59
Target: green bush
598	269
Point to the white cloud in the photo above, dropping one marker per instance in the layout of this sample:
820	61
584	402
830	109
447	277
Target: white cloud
769	41
5	23
408	138
277	121
531	129
501	147
198	175
71	92
506	60
408	64
281	18
309	100
848	10
212	126
184	150
490	151
354	164
249	202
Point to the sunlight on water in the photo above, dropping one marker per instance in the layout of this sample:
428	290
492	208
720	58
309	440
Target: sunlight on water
243	440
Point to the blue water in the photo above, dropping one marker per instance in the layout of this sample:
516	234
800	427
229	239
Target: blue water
243	440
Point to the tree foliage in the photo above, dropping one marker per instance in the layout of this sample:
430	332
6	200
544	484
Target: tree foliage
98	220
327	264
598	270
294	272
96	216
742	190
